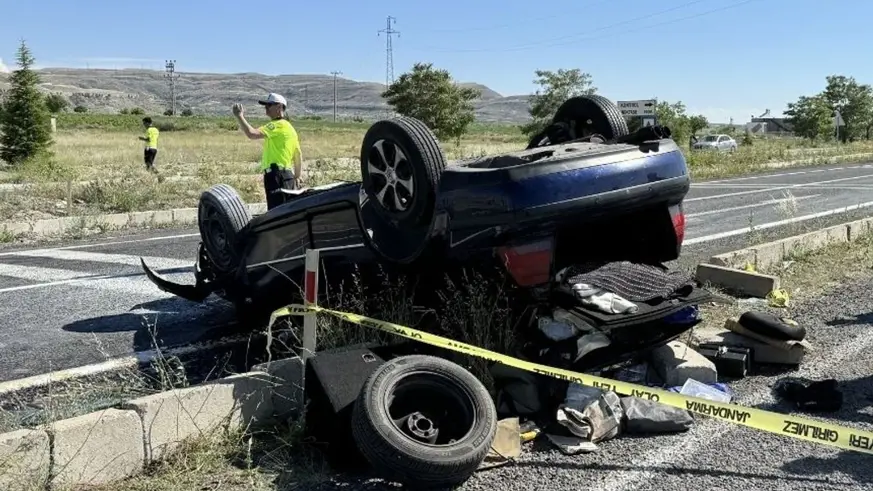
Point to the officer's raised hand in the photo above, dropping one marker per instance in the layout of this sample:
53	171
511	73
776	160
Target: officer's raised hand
238	109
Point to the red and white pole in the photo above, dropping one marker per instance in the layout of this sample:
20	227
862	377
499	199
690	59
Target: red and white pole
310	297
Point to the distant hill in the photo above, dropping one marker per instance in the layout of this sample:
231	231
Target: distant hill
109	91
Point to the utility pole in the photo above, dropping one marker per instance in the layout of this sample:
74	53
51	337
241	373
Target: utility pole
389	50
334	93
172	76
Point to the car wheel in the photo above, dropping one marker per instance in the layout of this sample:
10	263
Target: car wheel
401	165
424	421
592	114
220	217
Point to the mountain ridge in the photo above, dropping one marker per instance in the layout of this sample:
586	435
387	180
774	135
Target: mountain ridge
110	91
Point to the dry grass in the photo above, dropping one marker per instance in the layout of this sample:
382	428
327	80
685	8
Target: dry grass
109	160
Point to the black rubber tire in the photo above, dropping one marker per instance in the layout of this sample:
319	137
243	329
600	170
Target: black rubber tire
604	116
396	456
426	159
401	236
230	216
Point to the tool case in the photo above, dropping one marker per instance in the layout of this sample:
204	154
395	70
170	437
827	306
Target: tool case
731	361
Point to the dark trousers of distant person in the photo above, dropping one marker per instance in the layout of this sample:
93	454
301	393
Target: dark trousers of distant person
149	156
274	180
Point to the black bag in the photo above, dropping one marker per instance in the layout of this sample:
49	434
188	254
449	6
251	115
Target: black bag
732	361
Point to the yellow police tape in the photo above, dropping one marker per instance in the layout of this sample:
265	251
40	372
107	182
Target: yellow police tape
776	423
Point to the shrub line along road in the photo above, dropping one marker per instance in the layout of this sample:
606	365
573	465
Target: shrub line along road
80	302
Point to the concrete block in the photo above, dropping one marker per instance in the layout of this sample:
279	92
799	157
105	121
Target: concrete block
734	259
162	217
676	362
859	228
17	227
114	220
286	391
142	218
185	215
769	254
48	227
744	282
25	459
100	447
173	416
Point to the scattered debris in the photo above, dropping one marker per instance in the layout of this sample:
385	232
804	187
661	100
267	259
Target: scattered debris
809	395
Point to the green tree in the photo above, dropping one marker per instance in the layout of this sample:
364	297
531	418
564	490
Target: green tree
855	102
697	123
25	122
556	87
673	116
811	117
56	103
80	109
430	95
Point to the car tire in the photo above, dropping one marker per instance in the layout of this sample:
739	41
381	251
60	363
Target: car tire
424	454
221	215
589	114
394	152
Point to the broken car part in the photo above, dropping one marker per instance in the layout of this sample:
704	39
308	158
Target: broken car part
772	326
424	421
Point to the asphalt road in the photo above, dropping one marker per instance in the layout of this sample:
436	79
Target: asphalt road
82	302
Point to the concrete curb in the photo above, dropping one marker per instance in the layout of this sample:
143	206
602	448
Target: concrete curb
117	443
726	270
59	226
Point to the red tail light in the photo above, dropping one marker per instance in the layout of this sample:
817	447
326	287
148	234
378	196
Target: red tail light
677	215
529	264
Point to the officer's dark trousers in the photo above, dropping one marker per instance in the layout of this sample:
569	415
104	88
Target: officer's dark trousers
275	179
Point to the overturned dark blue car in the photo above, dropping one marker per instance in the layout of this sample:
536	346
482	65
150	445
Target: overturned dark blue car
586	194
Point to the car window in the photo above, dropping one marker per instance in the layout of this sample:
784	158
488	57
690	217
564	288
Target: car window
710	138
336	228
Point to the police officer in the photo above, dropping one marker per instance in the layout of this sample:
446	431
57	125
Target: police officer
281	148
151	146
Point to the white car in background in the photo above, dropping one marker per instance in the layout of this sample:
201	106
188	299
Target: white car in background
715	142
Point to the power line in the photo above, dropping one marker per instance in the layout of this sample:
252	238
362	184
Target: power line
389	50
171	74
335	73
576	37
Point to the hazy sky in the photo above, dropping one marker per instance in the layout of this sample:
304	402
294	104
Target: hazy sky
722	58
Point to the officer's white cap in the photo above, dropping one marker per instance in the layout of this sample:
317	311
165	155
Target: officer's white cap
273	98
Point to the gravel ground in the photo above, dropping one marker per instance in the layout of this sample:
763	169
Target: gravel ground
717	455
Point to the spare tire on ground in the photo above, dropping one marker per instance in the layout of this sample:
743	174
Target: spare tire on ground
221	215
401	166
424	421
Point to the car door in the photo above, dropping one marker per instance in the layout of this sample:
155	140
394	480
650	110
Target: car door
336	232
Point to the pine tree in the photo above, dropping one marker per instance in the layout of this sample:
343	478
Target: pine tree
25	122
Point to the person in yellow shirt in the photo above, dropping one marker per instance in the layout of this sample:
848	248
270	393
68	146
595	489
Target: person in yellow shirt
151	146
281	150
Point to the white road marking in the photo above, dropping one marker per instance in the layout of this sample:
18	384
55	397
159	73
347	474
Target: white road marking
781	174
130	361
754	205
120	242
710	430
101	257
775	188
730	233
136	284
